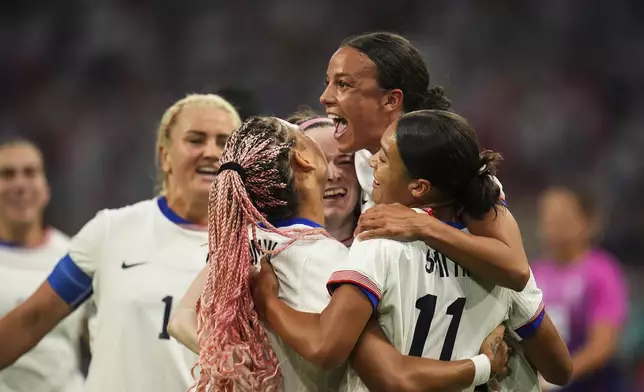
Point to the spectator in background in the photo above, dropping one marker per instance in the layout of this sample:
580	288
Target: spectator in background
29	251
583	287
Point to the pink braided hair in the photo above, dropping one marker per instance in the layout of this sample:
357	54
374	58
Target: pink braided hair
226	317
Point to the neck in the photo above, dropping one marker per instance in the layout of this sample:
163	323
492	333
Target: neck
311	208
443	211
341	229
570	254
26	235
193	209
391	118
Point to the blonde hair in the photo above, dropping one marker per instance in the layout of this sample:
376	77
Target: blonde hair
169	118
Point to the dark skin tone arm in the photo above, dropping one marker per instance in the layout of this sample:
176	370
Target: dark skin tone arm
384	369
494	250
547	351
23	327
318	338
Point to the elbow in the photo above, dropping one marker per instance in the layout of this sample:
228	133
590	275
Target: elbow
173	328
326	358
176	327
519	277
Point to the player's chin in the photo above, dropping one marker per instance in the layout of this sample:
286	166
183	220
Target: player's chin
347	143
336	213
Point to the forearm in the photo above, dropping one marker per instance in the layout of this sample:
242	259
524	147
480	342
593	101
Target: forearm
183	324
407	374
547	351
325	339
183	327
22	328
487	258
383	368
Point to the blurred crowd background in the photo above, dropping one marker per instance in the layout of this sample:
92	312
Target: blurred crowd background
556	86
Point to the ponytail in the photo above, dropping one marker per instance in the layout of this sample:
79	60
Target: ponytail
435	99
482	193
254	185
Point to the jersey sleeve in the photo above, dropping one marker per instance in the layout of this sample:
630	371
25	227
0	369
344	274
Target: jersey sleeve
526	310
366	268
72	277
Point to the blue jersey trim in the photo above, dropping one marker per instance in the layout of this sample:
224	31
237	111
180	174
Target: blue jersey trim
296	221
528	330
456	225
293	221
373	298
8	244
70	282
169	213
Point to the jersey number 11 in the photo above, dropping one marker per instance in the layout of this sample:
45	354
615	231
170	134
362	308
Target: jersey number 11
427	307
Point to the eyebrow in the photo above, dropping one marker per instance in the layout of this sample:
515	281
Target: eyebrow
196	131
383	149
341	74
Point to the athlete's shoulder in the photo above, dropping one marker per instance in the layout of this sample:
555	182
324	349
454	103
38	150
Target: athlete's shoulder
57	239
380	245
130	213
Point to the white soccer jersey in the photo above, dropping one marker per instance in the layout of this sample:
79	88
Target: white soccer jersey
303	270
428	305
364	172
523	376
53	365
136	262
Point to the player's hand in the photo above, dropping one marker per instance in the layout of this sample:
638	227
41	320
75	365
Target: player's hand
393	221
497	351
264	285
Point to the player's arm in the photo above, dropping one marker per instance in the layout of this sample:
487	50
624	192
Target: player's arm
493	252
327	339
542	343
23	327
384	369
183	323
66	288
547	351
319	338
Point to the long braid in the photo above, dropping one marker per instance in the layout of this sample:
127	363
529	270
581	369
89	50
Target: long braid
227	321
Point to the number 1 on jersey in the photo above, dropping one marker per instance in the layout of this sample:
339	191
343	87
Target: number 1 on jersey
166	318
427	307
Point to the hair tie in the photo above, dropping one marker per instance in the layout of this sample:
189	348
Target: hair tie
234	166
483	169
312	121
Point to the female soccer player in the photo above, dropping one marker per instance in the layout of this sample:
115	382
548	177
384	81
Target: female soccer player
372	79
427	304
342	192
583	286
273	177
134	262
28	252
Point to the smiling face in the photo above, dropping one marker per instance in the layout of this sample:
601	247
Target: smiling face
24	192
391	183
342	189
355	101
197	139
